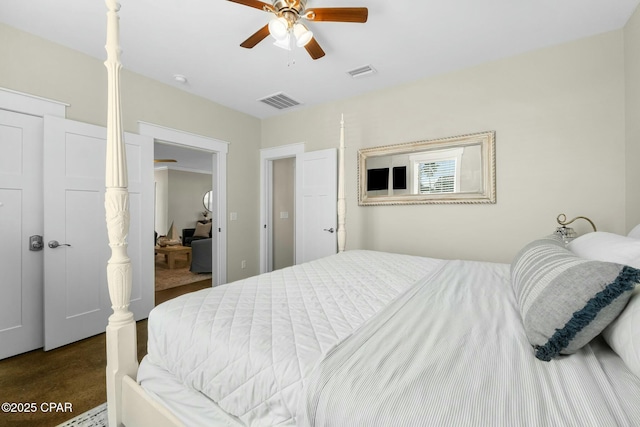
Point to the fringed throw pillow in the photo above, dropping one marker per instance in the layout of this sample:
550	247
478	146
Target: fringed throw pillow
565	301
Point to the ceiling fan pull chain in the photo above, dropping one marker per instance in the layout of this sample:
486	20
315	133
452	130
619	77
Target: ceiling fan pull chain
291	60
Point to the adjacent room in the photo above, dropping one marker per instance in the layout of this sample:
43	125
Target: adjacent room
184	207
426	209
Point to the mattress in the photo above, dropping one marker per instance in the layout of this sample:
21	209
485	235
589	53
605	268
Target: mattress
452	351
247	346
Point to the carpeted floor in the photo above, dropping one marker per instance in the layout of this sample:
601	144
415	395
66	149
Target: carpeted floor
170	278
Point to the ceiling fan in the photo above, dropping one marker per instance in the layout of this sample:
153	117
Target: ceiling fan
289	13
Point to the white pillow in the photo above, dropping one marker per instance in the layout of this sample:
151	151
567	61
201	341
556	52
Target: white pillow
623	334
603	246
635	233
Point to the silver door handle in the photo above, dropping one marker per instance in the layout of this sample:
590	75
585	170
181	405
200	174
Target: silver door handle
54	244
330	230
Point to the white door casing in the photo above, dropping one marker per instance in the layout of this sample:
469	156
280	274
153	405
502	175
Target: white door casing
316	204
77	303
267	156
218	150
21	274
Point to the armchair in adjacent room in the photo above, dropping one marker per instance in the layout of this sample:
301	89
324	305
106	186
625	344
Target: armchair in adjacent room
201	255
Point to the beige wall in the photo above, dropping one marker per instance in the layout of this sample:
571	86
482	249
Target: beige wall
161	179
184	198
283	201
632	79
36	66
558	114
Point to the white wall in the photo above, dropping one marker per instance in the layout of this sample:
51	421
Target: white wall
559	117
632	80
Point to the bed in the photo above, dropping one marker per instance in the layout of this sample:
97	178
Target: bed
373	338
417	341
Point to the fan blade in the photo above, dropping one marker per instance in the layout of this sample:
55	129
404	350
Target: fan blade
314	49
255	3
338	14
256	38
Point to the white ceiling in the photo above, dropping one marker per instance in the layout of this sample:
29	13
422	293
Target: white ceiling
403	40
187	159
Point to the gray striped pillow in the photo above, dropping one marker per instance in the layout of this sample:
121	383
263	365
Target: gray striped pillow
566	301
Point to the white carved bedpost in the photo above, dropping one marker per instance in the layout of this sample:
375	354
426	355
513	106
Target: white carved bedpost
342	205
122	358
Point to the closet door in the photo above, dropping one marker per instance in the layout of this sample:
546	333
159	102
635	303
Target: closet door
20	218
77	303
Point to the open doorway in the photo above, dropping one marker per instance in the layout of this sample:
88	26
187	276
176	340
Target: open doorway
283	175
277	206
315	192
184	215
199	207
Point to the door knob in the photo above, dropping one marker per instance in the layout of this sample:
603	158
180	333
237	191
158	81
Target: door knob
54	244
330	230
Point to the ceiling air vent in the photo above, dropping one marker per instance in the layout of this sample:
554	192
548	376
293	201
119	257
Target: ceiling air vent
362	71
280	101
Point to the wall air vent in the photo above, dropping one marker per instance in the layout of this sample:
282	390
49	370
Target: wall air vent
280	101
362	71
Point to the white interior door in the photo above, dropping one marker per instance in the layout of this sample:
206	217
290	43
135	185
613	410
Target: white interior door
20	217
316	204
77	303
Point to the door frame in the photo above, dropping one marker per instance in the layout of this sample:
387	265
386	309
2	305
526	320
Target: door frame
219	150
25	103
267	156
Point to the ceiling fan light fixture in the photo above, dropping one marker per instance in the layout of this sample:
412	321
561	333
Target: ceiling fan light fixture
279	28
303	35
285	43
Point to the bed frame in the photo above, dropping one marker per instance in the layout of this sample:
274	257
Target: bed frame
128	403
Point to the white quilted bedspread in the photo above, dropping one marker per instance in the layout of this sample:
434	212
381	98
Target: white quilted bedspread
248	345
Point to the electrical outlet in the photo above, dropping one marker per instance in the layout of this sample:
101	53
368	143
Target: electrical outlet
243	263
233	216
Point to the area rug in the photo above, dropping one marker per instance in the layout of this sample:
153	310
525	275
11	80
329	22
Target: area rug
180	275
96	417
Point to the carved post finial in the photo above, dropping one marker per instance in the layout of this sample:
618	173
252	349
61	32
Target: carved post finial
121	332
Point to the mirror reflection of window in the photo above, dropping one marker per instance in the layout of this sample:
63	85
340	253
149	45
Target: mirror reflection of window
436	177
450	170
437	172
